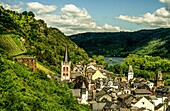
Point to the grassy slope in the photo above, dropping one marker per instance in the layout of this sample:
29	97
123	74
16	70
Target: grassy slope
46	70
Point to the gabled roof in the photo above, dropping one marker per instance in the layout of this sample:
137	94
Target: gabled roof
126	99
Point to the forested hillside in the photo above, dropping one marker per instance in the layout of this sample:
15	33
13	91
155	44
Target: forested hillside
144	42
20	88
23	90
47	44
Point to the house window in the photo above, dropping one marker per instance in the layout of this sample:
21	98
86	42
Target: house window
143	103
64	74
64	68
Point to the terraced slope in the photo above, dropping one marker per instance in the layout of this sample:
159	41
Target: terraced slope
9	45
41	67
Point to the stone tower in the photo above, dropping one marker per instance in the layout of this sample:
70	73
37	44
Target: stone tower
84	94
160	81
65	67
130	73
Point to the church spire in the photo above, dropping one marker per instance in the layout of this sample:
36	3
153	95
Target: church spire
130	68
83	85
130	73
66	54
65	67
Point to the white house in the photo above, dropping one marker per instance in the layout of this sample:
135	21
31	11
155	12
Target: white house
150	84
158	100
97	75
144	103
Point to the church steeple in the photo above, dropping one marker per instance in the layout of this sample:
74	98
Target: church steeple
130	73
130	68
66	67
66	54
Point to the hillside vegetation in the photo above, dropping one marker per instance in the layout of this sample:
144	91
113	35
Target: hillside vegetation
144	42
7	42
145	67
20	88
47	44
23	90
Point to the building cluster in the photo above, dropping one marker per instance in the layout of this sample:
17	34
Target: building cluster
95	87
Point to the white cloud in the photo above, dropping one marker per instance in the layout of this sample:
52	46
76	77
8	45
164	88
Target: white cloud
167	3
17	8
73	20
160	18
40	8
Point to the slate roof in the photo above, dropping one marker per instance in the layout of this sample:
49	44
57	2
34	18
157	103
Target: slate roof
124	96
125	100
97	106
74	75
76	93
159	106
168	108
142	91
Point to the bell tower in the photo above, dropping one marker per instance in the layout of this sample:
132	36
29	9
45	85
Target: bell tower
160	81
65	67
130	73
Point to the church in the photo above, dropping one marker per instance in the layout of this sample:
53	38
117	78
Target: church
66	67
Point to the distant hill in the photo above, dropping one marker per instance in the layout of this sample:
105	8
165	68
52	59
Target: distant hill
46	43
144	42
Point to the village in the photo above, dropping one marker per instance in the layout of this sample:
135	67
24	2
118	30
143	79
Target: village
95	87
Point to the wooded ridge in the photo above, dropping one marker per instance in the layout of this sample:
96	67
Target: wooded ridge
154	42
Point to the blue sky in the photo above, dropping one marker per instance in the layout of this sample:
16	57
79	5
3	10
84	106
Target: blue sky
78	16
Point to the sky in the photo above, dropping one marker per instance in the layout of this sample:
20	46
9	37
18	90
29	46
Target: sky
79	16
